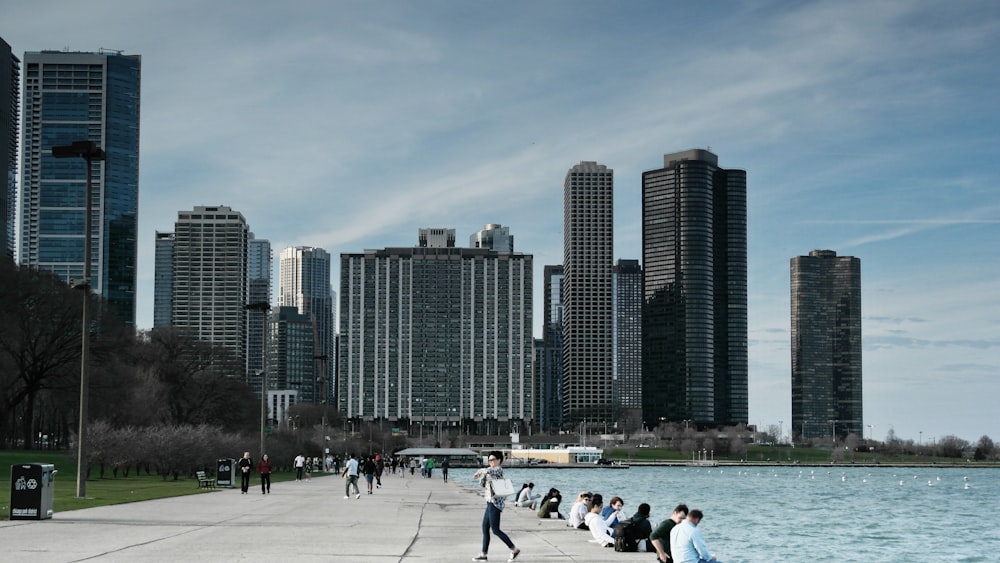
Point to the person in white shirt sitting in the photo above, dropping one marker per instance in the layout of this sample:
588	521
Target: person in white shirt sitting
599	525
579	511
526	498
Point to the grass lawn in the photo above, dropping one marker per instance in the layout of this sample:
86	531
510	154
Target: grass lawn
101	492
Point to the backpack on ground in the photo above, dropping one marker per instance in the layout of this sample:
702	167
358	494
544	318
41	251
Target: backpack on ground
625	536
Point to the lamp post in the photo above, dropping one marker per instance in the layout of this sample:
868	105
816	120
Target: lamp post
89	152
263	307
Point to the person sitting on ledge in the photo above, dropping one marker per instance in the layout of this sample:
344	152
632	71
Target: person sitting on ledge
526	498
550	505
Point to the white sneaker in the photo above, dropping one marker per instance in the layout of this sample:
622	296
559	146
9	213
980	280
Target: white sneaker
347	497
359	496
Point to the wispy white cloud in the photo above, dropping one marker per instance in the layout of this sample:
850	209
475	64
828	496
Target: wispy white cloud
865	128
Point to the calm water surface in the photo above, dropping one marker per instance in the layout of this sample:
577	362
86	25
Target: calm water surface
768	514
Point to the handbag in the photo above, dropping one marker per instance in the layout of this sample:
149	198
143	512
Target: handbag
500	488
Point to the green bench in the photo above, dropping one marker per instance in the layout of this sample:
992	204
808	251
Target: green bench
204	481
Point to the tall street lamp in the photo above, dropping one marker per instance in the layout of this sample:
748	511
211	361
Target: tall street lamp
263	307
90	152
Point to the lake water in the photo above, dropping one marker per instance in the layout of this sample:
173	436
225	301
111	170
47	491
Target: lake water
801	514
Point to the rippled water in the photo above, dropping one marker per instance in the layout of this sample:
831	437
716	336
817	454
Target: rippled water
768	514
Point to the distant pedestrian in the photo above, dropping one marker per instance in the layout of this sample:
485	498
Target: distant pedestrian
494	506
245	465
444	469
351	474
368	467
379	468
264	467
300	465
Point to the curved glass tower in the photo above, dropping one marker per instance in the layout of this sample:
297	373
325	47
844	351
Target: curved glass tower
694	323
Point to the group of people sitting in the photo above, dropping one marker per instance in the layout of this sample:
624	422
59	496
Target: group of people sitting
675	540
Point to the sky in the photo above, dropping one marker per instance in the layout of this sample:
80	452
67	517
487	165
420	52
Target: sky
867	128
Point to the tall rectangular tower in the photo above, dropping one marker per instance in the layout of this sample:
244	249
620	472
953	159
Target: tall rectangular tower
210	277
549	386
694	323
82	97
826	345
305	285
258	301
10	90
437	335
588	324
163	280
628	344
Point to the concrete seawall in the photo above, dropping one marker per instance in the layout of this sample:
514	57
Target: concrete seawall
410	519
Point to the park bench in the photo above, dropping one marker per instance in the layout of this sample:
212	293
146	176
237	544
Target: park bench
205	481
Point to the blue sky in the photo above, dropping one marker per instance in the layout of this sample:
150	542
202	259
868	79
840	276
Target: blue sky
868	128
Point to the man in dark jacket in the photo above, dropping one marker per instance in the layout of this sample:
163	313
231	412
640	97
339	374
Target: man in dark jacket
660	538
245	465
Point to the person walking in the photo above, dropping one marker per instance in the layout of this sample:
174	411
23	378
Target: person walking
368	468
245	465
264	468
379	468
351	474
686	545
494	506
444	469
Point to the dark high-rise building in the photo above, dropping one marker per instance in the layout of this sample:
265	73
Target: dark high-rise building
694	323
588	249
258	301
305	285
292	360
163	280
549	384
10	85
628	344
72	97
826	345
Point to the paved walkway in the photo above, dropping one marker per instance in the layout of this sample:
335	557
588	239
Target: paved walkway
410	520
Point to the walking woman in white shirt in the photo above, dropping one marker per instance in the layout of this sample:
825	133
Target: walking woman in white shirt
494	506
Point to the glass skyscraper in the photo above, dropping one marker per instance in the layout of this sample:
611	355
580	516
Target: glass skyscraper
628	344
694	321
826	346
549	385
305	285
163	280
10	86
72	96
292	359
588	323
258	312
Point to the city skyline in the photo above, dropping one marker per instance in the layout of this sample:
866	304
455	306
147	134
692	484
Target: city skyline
869	129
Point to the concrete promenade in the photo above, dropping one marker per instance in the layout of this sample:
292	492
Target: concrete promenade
410	519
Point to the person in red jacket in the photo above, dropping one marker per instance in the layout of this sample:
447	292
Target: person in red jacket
264	468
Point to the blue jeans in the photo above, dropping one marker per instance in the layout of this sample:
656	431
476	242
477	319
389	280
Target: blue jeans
491	521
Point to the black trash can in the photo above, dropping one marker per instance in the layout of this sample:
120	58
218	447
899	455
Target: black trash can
31	487
226	474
